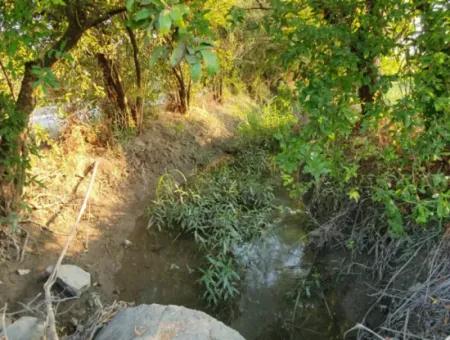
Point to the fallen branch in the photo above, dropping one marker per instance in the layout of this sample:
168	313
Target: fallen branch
391	280
51	322
101	317
24	247
5	335
360	326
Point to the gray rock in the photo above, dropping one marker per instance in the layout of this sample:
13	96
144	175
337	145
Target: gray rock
25	328
165	322
72	279
23	272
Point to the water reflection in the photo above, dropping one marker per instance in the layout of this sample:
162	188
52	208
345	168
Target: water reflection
272	267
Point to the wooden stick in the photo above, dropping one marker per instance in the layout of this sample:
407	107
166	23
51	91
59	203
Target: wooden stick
24	247
51	321
5	335
359	326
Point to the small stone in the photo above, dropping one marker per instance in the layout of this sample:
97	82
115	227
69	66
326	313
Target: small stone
48	271
174	266
140	143
127	243
72	279
26	327
23	272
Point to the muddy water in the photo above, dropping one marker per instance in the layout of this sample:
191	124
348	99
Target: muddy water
158	269
272	266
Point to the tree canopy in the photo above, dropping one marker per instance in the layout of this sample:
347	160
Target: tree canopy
367	80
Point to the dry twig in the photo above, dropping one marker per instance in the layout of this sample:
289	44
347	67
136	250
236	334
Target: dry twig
51	322
359	326
5	335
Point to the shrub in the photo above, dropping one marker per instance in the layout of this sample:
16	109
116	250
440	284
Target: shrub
220	208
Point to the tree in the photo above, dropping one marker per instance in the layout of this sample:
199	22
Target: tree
35	35
184	40
341	50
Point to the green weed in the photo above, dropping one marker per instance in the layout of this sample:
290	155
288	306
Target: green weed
219	209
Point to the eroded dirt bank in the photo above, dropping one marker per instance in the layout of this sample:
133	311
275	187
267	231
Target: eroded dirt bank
126	182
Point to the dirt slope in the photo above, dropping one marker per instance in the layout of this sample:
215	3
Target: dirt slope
126	182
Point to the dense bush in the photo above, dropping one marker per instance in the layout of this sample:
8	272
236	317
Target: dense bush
350	57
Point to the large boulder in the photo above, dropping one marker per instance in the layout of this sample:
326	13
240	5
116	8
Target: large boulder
160	322
25	328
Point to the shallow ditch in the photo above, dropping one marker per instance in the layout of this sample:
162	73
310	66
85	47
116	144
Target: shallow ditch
288	291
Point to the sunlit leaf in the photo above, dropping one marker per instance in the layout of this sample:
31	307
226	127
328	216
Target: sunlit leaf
158	53
129	5
177	54
211	62
196	72
142	14
164	22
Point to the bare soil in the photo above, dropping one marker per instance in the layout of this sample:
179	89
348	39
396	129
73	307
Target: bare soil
126	182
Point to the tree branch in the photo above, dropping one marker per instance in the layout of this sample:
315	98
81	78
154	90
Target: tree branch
8	80
67	41
106	16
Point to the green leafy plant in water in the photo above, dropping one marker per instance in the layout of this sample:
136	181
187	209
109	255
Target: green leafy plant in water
219	209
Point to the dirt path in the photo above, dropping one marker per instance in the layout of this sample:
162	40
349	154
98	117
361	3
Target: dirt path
124	187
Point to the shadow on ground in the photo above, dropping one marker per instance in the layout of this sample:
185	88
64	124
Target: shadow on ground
116	212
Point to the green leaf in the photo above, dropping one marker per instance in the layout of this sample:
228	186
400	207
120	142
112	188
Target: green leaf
211	62
177	54
143	14
164	22
354	195
177	13
129	5
191	58
422	214
158	53
443	208
196	72
151	2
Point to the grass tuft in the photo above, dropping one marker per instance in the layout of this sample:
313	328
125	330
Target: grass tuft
220	209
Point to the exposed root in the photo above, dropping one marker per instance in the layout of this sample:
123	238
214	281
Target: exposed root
10	249
415	310
102	316
423	310
360	327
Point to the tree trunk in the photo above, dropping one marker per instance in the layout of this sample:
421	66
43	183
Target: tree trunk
218	89
116	93
13	177
138	110
366	91
367	65
183	93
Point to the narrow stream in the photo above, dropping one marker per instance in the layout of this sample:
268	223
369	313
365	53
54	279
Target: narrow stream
158	269
272	267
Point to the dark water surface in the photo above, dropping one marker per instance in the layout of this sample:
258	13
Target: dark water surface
158	268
